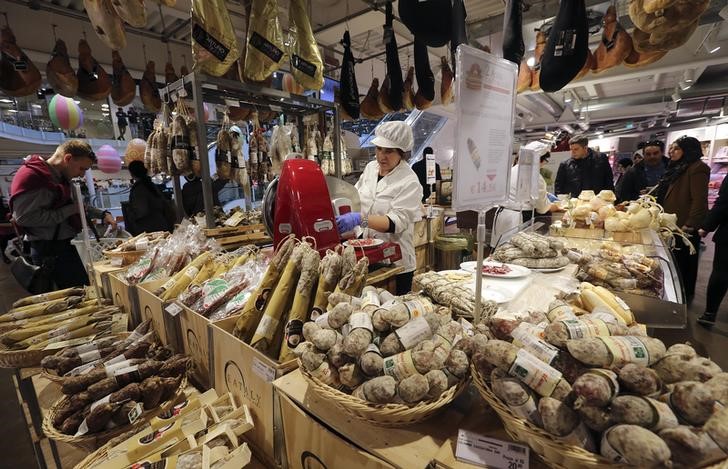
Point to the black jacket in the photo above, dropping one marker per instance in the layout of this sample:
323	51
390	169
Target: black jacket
717	218
148	210
590	173
193	199
634	182
420	169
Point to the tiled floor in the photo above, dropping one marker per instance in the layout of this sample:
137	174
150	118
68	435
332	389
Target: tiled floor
16	446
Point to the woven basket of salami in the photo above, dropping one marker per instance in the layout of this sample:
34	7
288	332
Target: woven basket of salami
110	400
417	368
593	391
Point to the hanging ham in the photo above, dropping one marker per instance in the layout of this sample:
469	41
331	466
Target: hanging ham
265	50
678	17
18	75
123	86
447	79
616	43
513	46
369	106
425	78
59	72
588	66
170	76
132	11
639	59
214	45
94	84
459	29
390	96
148	90
349	90
567	47
306	64
106	22
408	95
538	54
524	77
658	42
430	21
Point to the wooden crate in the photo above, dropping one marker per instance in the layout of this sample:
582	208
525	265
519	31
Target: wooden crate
102	269
310	444
233	237
125	294
153	307
421	256
195	342
248	374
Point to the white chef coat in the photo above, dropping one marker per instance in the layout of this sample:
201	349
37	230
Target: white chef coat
510	216
397	195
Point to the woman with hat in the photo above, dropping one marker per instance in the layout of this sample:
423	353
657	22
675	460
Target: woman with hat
390	196
683	190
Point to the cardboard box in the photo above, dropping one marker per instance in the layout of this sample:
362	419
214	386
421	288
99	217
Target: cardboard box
310	444
124	294
195	342
248	374
102	269
153	307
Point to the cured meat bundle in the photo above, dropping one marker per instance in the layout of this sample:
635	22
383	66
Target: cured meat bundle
59	72
370	105
425	78
616	43
214	45
18	75
679	16
180	144
306	64
646	43
390	96
513	46
567	47
106	22
94	83
123	87
265	50
131	11
349	90
148	90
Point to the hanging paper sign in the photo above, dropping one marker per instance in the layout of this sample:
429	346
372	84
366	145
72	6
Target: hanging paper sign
430	168
486	99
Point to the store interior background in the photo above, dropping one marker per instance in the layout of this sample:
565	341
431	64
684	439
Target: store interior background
682	94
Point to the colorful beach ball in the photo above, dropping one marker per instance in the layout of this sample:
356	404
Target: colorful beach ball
65	113
135	151
108	159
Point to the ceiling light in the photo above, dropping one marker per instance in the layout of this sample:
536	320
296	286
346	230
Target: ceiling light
666	123
531	61
77	101
676	95
567	97
684	85
6	100
711	48
12	110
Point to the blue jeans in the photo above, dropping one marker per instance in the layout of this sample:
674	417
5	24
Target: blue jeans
68	270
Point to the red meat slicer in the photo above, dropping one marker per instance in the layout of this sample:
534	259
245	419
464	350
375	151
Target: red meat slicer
299	201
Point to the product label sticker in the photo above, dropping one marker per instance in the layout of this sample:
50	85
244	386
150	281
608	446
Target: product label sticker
565	43
414	332
664	416
141	244
370	299
323	321
209	43
89	356
135	413
528	410
417	308
523	337
560	311
400	366
303	65
608	450
627	349
173	309
266	47
536	374
488	452
583	328
361	321
267	327
265	372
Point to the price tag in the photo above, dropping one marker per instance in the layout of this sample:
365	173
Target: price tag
117	262
489	452
235	219
135	413
430	168
232	102
182	93
265	372
173	309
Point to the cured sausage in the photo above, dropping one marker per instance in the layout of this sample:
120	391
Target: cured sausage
616	43
106	22
306	64
214	45
425	78
18	75
349	90
390	96
148	90
513	46
59	72
94	83
123	87
567	47
370	106
131	11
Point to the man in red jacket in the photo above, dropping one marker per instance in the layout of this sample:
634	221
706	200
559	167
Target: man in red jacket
41	200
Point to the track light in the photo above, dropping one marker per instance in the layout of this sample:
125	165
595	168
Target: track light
711	48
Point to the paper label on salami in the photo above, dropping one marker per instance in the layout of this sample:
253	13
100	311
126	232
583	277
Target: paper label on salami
534	373
400	366
565	43
542	350
209	43
527	410
361	321
325	374
117	359
608	451
561	311
580	329
89	356
213	291
581	437
665	417
414	332
417	308
266	47
323	321
81	370
294	333
627	349
169	283
373	349
603	315
370	299
267	327
303	65
141	244
111	369
135	413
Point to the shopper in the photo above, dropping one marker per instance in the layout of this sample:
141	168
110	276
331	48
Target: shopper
148	209
41	199
193	199
420	169
546	173
646	173
390	196
683	190
585	170
133	118
121	122
623	165
717	220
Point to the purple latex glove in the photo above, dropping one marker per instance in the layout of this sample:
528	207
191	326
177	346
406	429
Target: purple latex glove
348	221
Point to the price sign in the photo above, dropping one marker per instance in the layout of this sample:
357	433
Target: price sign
173	309
431	168
489	452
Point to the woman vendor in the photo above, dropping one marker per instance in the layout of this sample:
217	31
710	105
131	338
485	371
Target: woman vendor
390	195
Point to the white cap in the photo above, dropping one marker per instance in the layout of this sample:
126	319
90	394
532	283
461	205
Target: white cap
540	148
394	134
236	129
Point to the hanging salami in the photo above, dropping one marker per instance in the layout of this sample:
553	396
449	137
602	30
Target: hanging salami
425	78
106	22
349	90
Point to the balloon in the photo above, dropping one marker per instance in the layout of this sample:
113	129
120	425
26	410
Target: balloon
65	113
135	151
109	160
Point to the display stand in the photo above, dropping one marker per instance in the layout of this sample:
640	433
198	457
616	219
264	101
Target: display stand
207	89
86	241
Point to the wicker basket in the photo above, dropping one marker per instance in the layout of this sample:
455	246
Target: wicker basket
383	415
52	376
93	441
22	358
